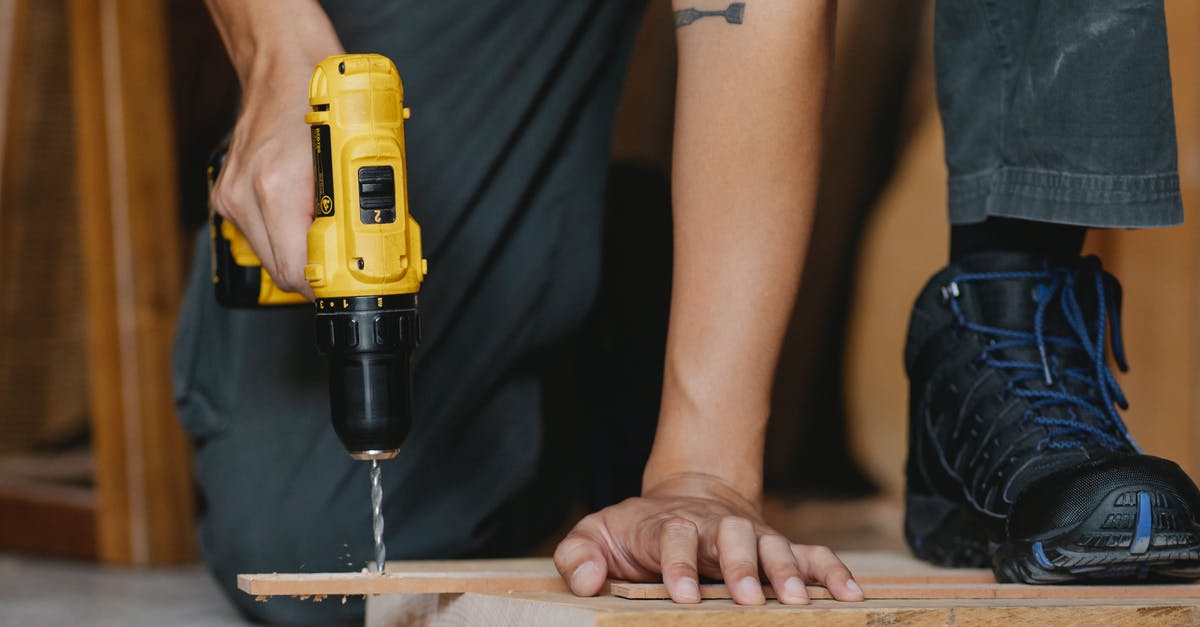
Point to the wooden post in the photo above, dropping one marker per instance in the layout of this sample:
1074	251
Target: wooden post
130	234
11	13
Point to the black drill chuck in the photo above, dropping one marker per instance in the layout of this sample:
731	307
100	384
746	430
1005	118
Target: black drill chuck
369	341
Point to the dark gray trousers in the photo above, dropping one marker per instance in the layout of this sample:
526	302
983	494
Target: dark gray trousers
1058	111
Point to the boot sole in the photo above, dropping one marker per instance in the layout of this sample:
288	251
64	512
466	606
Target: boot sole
1132	536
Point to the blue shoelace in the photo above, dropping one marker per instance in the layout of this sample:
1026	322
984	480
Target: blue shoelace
1103	395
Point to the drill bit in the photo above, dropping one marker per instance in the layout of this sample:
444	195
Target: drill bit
377	515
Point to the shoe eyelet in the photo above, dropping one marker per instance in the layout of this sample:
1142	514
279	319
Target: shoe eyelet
949	292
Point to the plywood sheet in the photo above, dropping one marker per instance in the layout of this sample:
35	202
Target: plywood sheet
882	576
900	589
883	589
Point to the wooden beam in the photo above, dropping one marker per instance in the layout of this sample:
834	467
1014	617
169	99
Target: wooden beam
564	610
12	19
130	231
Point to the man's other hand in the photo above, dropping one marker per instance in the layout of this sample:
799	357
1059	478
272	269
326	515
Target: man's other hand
690	526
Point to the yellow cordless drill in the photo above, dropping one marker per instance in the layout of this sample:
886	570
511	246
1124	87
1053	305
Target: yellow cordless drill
364	258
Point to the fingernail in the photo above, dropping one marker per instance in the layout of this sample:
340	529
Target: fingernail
688	590
749	589
795	590
853	585
582	572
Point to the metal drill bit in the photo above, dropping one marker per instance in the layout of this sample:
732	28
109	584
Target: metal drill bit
377	515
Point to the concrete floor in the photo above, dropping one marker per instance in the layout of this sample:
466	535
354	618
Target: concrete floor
39	592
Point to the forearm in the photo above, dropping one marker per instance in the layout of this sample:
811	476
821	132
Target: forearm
272	41
747	149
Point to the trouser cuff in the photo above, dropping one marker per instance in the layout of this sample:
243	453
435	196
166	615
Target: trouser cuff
1092	200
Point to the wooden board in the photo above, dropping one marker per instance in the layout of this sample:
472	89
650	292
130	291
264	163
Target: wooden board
438	577
883	589
882	576
476	577
560	609
539	575
529	592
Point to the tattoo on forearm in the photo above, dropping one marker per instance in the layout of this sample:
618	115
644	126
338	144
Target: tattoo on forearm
732	14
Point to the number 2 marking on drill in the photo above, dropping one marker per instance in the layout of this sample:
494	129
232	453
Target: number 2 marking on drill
377	215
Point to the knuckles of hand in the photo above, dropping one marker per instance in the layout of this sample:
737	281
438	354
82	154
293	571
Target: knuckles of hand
772	539
678	526
739	569
818	551
287	277
270	185
570	546
734	525
224	202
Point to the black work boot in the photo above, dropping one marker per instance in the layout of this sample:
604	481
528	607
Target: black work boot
1017	454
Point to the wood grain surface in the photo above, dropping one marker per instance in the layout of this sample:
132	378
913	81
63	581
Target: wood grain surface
883	576
130	236
883	589
425	577
900	590
560	609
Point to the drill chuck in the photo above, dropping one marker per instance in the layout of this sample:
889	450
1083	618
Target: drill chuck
369	342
